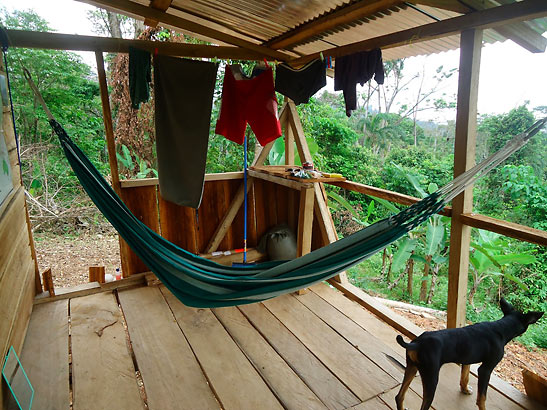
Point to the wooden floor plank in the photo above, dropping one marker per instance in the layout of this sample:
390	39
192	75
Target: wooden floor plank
333	393
172	377
412	399
372	404
353	368
102	369
45	356
234	379
361	316
367	344
283	381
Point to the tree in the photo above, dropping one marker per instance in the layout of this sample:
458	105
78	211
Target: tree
72	95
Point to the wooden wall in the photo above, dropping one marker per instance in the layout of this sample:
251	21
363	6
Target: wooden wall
17	266
269	204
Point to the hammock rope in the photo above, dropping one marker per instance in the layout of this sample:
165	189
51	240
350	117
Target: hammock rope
200	282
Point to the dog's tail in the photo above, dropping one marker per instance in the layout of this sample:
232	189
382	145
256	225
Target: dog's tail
401	341
407	346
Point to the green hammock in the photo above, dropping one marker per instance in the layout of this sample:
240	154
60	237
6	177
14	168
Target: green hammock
199	282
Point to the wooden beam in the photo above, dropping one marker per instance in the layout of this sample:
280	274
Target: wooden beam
305	221
289	183
57	41
127	6
329	21
298	131
229	217
513	230
464	159
384	194
326	223
483	19
107	119
161	5
520	33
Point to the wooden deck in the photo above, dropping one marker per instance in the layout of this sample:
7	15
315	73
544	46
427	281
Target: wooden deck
141	348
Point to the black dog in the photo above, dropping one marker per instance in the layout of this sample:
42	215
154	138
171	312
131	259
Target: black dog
480	343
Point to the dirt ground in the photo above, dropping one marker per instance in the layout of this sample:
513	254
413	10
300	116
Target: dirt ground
70	257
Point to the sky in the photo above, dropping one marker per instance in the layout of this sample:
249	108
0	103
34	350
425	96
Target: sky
509	76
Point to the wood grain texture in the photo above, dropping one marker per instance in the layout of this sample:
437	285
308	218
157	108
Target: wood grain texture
178	224
103	376
353	368
142	201
45	356
172	377
232	379
332	392
365	342
283	381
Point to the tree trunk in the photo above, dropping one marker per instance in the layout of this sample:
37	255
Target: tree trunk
139	27
423	289
114	25
434	276
410	277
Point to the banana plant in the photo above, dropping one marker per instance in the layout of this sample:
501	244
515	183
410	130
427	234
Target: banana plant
490	260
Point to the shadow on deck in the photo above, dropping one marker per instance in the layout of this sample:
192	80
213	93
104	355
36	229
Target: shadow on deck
141	348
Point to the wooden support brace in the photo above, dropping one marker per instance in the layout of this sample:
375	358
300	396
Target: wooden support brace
96	274
47	281
326	223
299	137
229	217
305	223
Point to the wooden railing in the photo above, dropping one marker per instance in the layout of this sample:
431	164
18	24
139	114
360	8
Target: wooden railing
513	230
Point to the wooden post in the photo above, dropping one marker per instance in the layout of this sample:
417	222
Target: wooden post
107	119
96	274
47	280
464	158
305	224
289	138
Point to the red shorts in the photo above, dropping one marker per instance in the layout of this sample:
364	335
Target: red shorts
249	101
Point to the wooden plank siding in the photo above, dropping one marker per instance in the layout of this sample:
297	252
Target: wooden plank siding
17	265
269	204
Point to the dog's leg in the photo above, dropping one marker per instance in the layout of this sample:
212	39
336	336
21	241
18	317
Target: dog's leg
485	370
464	379
430	378
410	372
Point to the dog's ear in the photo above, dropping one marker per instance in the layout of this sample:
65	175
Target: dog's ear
532	317
506	307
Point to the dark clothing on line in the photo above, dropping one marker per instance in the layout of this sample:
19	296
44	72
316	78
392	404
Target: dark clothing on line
184	98
357	68
299	85
139	76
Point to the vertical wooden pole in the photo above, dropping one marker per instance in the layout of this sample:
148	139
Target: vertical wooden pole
305	223
107	119
96	274
464	158
48	282
289	141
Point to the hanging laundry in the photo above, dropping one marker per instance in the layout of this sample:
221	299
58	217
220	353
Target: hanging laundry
357	68
300	84
184	97
248	100
139	76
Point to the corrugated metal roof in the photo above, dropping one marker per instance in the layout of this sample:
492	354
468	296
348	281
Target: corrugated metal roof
259	21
